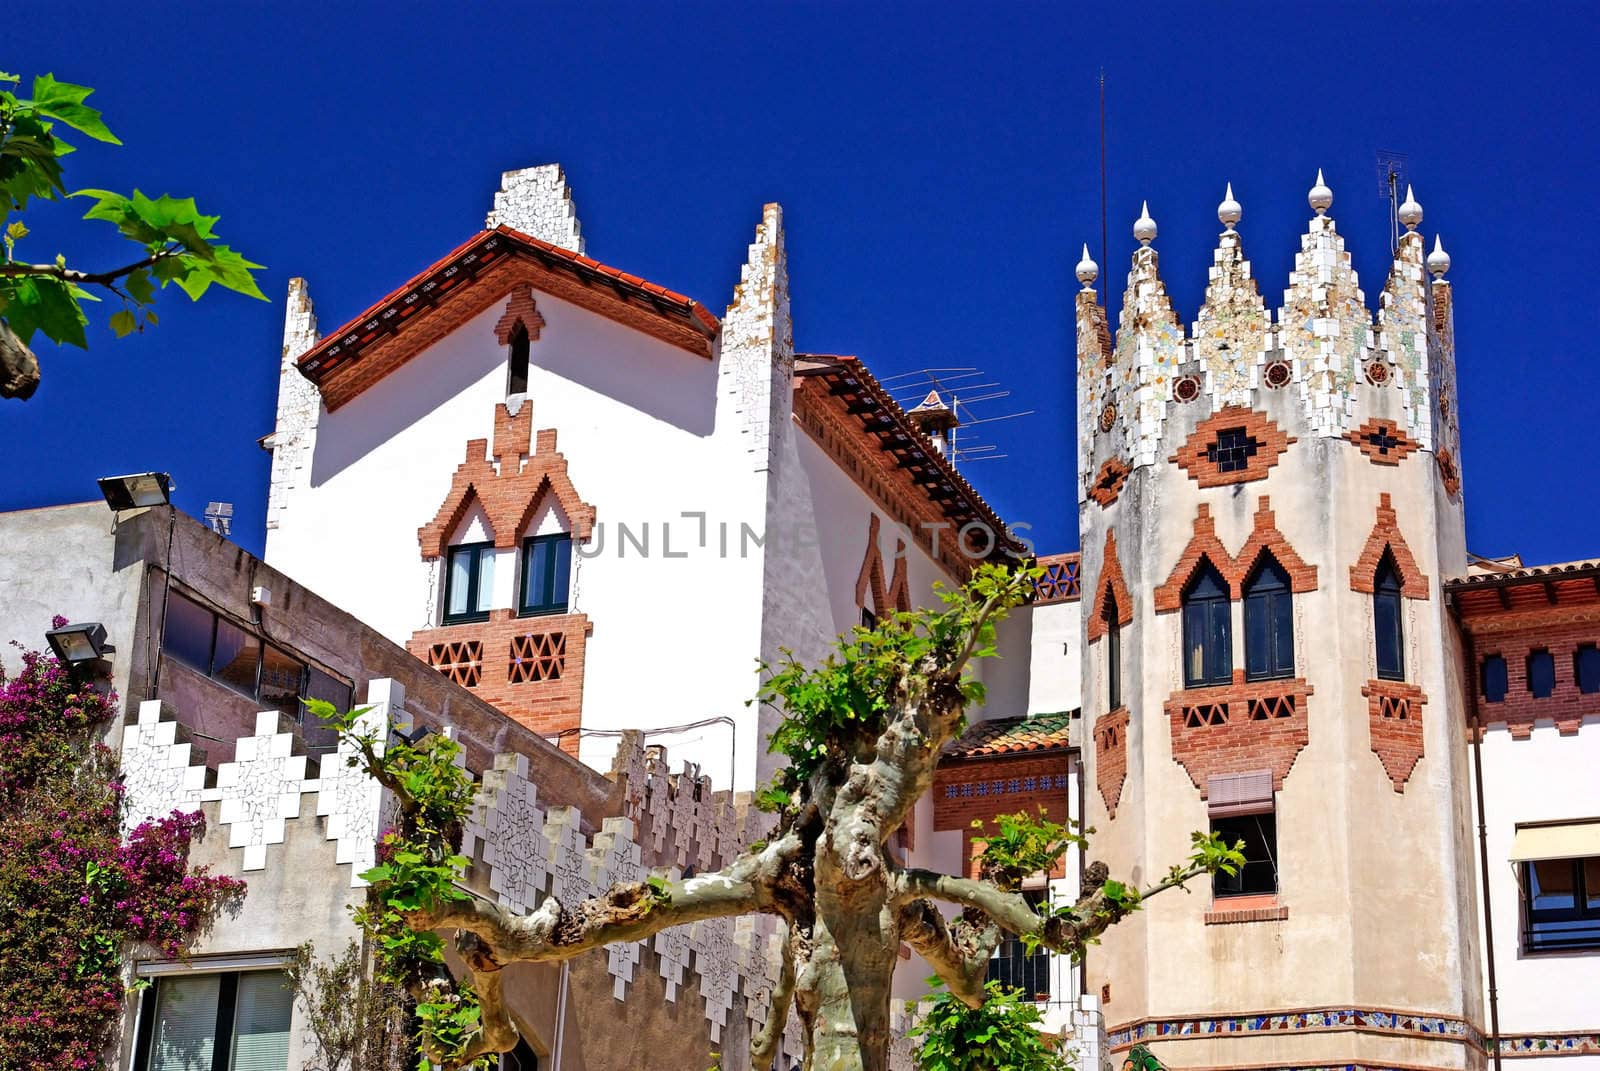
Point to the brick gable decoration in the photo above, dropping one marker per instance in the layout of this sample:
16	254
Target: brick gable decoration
1239	726
1108	482
1233	445
893	596
520	309
1111	579
1111	756
510	488
1386	536
1383	441
1394	724
1235	569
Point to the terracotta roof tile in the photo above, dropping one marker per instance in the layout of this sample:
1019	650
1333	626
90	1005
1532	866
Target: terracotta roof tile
1013	736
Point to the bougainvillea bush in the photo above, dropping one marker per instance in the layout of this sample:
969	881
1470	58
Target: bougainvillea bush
75	894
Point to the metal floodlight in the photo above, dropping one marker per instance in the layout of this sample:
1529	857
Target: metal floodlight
418	733
136	490
79	643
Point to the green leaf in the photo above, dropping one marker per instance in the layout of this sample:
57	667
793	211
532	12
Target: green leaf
16	230
124	324
140	288
64	101
43	304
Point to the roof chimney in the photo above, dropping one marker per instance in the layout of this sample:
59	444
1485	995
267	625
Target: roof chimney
937	421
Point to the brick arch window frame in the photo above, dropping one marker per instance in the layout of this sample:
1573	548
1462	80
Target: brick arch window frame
1110	611
1403	580
517	329
1388	619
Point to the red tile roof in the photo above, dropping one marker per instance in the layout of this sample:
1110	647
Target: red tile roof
1013	736
509	255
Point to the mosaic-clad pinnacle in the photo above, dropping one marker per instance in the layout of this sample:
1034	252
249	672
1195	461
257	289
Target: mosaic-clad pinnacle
1438	260
1410	212
1088	270
1229	211
1144	228
1320	197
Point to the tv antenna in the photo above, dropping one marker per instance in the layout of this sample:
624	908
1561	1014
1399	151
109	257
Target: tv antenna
950	404
1393	176
219	517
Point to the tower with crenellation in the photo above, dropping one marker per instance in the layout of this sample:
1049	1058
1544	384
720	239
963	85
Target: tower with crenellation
1268	502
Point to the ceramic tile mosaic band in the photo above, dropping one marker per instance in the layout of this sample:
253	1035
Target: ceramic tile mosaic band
1006	786
1364	1020
1583	1044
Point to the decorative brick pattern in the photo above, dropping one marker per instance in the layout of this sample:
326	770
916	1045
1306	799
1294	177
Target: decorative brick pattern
1562	630
1060	582
460	660
1234	569
1221	915
1394	724
1108	482
511	488
981	789
1386	536
1111	756
1111	579
1240	726
520	309
1384	441
1194	455
1448	473
531	668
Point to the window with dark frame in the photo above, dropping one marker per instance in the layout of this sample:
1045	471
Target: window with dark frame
1014	967
1561	904
1207	630
469	583
1541	674
237	1021
1268	623
1232	450
1109	613
1586	668
230	654
546	574
517	375
868	618
1495	681
1259	834
1386	620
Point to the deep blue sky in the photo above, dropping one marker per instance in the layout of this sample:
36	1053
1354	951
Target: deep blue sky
938	167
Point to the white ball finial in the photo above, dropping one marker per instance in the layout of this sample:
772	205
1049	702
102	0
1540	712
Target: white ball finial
1321	197
1144	228
1438	260
1088	270
1229	211
1410	213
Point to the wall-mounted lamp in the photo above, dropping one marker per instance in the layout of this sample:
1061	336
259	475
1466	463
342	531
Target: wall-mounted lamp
79	643
418	733
137	489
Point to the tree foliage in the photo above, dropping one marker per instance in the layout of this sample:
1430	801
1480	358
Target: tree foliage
862	732
177	244
1000	1034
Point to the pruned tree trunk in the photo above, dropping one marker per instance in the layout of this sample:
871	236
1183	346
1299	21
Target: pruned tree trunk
19	368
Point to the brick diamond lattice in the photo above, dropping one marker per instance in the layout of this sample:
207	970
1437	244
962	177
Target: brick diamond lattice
538	656
460	660
1060	580
1208	714
1272	706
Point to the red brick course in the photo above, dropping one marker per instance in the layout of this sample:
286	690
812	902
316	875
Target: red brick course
1238	727
958	801
1404	444
1235	569
1111	756
511	492
1271	442
1561	633
1386	535
1110	578
544	655
1394	725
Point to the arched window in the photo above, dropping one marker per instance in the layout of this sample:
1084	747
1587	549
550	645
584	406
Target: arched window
517	381
1207	630
1268	623
1386	620
1108	613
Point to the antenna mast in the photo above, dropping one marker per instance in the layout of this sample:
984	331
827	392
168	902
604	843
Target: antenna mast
1392	177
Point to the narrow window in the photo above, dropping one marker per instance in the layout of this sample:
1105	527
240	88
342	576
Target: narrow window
546	574
1586	669
1495	684
1561	904
868	618
1541	674
469	583
1259	834
1268	623
1386	621
1015	967
1113	651
205	1022
1207	630
517	380
188	633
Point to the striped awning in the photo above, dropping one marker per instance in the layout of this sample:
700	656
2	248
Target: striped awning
1241	793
